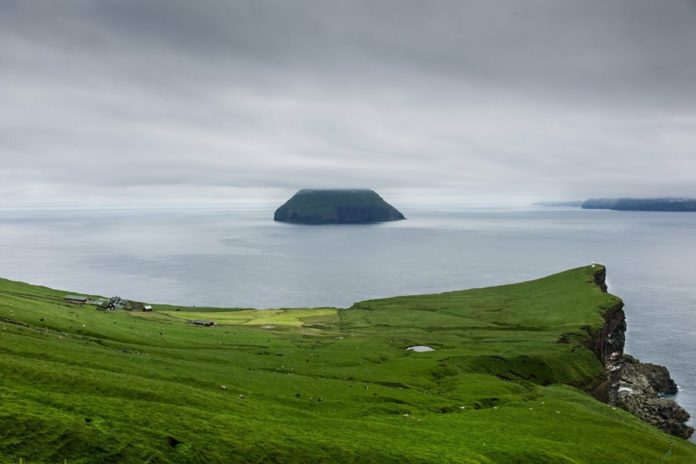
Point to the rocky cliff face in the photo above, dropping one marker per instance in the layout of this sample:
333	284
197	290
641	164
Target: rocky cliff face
638	388
632	385
612	336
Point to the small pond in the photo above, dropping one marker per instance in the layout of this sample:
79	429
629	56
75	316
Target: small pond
420	348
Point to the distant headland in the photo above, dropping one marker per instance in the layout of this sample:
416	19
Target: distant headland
667	204
336	206
642	204
570	203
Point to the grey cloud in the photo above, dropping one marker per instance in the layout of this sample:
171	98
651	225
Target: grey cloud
540	98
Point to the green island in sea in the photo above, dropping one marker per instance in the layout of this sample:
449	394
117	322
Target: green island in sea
336	206
508	374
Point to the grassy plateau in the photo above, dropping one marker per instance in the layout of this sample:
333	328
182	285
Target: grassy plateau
505	383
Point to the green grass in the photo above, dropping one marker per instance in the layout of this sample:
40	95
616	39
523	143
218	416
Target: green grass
270	317
318	385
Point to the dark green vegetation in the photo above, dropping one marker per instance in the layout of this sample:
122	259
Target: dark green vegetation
504	384
642	204
336	207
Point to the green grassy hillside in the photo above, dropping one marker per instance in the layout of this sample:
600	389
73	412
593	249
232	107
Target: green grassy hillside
79	385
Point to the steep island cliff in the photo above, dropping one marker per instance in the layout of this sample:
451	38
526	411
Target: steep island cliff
354	206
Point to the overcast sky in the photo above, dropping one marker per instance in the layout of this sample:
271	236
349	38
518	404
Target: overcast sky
176	102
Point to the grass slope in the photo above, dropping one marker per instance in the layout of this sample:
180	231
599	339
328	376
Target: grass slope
323	385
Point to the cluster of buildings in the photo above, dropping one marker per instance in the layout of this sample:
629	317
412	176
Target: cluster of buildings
112	303
116	302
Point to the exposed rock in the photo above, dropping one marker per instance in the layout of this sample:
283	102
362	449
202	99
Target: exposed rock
612	336
636	387
632	385
600	277
657	376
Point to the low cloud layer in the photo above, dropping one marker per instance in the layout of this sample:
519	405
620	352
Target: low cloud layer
113	102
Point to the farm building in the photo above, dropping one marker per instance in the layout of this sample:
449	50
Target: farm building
203	322
114	302
127	305
75	299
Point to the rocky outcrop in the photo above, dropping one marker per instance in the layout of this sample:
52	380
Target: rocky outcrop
600	277
612	335
632	385
638	388
656	376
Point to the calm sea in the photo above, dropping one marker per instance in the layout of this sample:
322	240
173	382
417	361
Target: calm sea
241	258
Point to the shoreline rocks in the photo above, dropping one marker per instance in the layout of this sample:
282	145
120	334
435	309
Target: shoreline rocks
637	387
632	385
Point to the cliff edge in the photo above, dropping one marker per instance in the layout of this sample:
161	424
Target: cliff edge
634	386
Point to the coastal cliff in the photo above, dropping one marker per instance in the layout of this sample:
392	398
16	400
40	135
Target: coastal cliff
634	386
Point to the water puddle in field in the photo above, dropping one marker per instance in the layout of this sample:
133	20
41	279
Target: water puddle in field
420	348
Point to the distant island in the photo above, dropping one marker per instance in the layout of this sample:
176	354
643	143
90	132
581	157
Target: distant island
570	203
642	204
348	206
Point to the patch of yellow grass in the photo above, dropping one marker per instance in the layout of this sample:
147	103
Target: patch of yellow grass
284	317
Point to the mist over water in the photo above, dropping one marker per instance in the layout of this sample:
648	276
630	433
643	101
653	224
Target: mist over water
241	258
